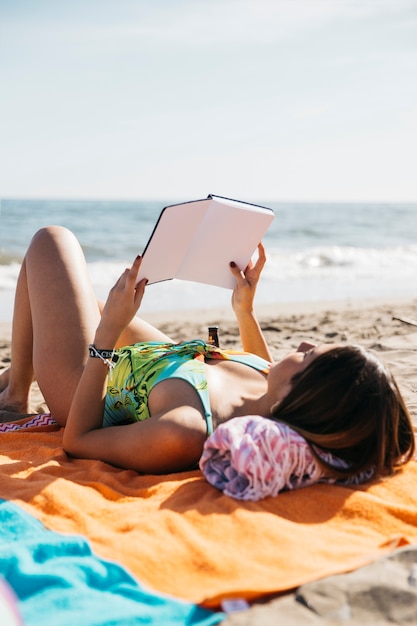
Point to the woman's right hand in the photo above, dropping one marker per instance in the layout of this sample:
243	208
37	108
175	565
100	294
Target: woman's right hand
122	304
247	282
243	296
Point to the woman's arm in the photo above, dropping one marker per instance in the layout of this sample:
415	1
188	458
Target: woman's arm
87	407
243	296
167	442
170	441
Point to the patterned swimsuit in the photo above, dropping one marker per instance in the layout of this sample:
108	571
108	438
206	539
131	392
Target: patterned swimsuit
143	365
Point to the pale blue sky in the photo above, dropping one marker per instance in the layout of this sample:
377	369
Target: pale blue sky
259	100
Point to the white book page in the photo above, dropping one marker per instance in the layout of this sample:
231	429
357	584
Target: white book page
176	228
226	233
196	241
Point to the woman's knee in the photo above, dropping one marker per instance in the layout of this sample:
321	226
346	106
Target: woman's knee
51	234
53	243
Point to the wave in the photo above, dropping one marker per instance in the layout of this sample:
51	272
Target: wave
281	263
9	258
8	275
320	259
313	274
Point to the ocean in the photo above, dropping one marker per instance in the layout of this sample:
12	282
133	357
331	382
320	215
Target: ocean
316	252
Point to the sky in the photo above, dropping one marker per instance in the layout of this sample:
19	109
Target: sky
259	100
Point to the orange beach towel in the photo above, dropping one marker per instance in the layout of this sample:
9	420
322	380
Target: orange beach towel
178	535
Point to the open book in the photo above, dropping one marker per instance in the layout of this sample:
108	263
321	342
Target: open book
197	240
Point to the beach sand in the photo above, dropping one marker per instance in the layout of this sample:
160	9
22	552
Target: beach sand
382	326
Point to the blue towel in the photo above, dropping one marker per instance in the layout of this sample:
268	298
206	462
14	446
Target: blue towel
58	580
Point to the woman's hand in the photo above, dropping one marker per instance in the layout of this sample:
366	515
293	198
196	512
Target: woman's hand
243	296
246	283
121	305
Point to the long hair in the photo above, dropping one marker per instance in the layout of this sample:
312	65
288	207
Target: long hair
346	402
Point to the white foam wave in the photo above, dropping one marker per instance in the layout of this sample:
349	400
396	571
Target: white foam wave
314	274
331	260
8	275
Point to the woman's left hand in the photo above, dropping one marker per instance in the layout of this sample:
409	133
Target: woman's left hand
123	302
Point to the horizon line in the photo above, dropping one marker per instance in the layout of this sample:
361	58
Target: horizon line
173	199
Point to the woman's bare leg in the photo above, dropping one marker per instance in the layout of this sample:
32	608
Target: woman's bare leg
55	317
16	380
56	314
139	330
4	378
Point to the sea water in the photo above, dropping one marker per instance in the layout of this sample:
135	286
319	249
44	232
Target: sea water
316	252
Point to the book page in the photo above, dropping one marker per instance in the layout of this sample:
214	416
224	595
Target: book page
228	232
176	227
196	241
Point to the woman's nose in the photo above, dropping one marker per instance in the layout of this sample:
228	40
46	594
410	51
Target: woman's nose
305	346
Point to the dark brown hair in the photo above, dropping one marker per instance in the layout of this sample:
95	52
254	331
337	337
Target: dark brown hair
346	402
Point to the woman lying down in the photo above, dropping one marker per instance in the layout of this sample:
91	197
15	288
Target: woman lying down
130	396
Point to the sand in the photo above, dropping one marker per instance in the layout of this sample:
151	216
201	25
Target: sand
388	328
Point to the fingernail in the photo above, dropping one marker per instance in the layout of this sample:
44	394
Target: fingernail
232	264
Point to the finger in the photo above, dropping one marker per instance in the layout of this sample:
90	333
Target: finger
249	266
140	290
261	251
261	260
236	271
137	262
120	282
136	266
133	272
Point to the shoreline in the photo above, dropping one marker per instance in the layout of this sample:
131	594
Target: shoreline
287	308
267	311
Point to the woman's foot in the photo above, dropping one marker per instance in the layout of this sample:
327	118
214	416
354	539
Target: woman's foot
9	416
4	378
13	404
